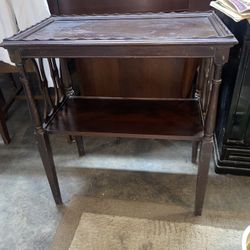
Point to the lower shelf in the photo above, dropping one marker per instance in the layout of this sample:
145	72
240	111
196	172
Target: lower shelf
158	119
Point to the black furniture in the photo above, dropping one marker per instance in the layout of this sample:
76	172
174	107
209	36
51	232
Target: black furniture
232	144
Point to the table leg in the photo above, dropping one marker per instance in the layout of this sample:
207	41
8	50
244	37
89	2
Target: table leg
195	147
67	82
49	165
207	141
41	137
80	145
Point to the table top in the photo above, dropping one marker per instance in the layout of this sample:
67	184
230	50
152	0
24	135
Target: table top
153	29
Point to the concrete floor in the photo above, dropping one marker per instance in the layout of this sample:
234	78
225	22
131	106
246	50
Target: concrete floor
28	215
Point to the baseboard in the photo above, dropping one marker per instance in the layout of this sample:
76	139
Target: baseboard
226	166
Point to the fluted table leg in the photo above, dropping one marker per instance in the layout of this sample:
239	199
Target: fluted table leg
207	141
42	138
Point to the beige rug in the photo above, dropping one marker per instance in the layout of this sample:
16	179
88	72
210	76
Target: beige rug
105	232
107	224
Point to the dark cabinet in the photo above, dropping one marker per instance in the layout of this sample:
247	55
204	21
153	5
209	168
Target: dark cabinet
232	144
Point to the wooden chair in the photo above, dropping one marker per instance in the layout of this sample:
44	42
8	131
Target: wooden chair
6	104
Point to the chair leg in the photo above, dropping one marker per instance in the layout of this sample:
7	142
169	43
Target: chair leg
49	165
13	81
3	128
2	99
195	146
69	139
80	145
118	140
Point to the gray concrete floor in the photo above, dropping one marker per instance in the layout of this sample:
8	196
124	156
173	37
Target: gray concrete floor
28	215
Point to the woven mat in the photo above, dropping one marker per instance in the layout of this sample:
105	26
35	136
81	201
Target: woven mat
94	223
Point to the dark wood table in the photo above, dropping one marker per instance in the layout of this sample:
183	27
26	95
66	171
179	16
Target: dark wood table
161	35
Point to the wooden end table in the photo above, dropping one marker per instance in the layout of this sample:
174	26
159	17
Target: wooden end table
161	35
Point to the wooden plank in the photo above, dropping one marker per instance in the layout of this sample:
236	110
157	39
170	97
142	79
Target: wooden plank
144	118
